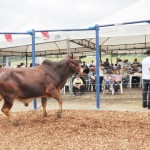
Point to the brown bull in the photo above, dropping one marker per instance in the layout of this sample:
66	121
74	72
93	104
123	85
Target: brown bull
42	81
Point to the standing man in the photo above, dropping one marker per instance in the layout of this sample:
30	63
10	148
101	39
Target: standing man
146	80
106	64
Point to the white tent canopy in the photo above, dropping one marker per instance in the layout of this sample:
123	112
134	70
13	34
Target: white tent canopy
112	39
115	39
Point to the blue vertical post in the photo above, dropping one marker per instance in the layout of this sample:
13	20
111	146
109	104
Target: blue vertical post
97	69
33	59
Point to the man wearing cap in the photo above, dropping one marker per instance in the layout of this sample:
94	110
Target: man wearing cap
146	80
135	62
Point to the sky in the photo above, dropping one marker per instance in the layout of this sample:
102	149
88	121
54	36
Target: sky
21	15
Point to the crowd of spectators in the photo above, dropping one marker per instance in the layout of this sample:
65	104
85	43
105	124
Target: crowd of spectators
111	74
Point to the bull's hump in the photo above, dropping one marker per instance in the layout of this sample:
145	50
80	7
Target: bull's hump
49	62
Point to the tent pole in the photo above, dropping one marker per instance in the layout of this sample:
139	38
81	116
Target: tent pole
97	68
33	59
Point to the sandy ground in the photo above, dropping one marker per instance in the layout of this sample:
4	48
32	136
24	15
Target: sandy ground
120	124
77	129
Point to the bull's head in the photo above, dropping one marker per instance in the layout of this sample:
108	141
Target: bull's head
75	62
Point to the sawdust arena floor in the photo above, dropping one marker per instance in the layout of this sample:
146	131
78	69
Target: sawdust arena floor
120	124
76	130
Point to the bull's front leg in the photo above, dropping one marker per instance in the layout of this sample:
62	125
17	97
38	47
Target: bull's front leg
55	93
44	104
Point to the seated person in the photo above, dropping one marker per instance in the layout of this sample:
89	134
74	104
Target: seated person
117	80
135	79
107	81
78	85
85	80
125	74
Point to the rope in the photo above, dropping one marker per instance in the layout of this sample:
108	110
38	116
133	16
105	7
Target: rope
41	105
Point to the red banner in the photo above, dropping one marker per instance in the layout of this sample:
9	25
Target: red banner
8	37
45	34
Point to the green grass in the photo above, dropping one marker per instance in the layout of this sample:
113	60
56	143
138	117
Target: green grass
14	63
114	58
88	59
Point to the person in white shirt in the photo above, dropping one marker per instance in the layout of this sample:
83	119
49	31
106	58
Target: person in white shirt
146	80
120	64
78	85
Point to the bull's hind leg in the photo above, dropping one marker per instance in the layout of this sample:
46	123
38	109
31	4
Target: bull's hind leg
44	103
55	93
57	96
6	110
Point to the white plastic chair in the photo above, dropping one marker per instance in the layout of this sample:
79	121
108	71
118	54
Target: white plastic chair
66	85
121	88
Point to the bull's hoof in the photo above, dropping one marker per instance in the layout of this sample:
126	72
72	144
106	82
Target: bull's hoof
26	104
58	114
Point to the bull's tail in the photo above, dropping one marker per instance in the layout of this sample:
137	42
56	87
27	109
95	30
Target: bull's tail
8	88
